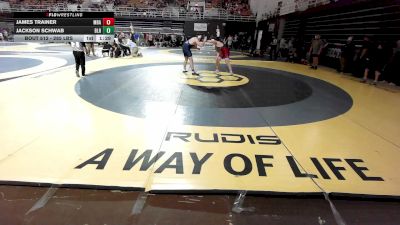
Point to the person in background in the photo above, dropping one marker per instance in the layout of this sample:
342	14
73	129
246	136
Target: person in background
301	51
121	36
79	55
132	33
273	48
235	42
366	49
229	41
376	63
124	47
317	45
291	50
136	38
115	50
160	40
134	49
243	43
347	54
90	48
283	48
179	40
393	70
150	38
5	34
248	43
156	39
146	39
173	40
106	49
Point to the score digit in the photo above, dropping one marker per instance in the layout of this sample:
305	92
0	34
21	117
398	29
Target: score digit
108	30
108	21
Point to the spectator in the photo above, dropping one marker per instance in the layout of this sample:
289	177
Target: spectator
150	38
121	37
235	41
229	41
393	69
292	54
315	50
377	61
249	39
133	48
136	37
242	43
106	49
273	48
347	54
90	48
237	7
301	51
282	52
124	47
173	40
115	50
5	34
365	53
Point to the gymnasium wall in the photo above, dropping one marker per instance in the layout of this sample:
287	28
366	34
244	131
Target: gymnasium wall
337	21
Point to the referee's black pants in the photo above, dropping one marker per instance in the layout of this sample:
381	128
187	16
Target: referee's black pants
80	61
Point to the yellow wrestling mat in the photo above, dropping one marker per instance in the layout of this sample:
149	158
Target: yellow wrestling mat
55	131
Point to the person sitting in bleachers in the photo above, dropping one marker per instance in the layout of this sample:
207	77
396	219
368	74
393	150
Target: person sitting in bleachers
134	49
115	50
107	48
124	47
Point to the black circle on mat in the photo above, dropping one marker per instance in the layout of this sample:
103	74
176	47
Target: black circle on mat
9	64
271	97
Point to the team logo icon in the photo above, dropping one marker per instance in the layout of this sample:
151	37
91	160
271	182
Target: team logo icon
212	79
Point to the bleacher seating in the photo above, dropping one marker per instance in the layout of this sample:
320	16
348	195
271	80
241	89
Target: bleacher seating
280	8
337	23
233	7
132	8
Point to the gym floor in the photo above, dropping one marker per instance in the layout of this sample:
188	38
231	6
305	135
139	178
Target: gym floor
137	141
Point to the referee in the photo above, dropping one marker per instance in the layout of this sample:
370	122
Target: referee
79	55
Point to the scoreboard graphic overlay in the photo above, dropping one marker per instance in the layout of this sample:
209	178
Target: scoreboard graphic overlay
64	26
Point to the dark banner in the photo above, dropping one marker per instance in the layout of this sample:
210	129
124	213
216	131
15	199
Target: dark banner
204	27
